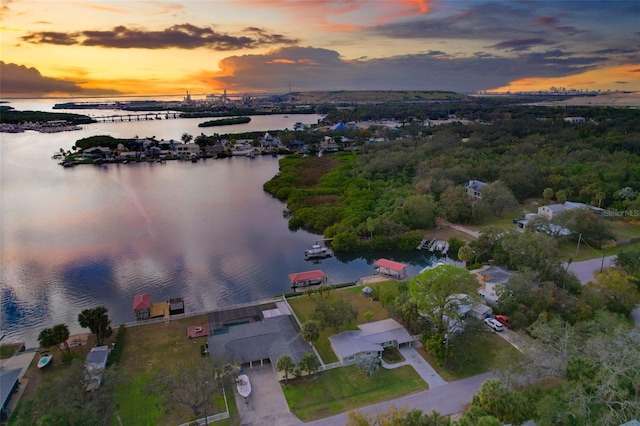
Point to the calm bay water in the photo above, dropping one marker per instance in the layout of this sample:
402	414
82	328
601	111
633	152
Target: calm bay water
86	236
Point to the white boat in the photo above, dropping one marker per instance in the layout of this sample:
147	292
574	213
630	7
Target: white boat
317	252
244	386
44	360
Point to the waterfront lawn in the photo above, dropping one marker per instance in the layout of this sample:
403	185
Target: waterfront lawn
150	349
304	308
8	350
343	389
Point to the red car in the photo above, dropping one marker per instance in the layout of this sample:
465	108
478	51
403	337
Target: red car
504	320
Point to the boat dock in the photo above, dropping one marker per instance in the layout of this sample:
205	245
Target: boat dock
434	245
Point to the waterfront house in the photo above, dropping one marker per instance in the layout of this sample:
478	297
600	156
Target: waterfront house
142	306
187	150
353	346
473	188
390	268
97	152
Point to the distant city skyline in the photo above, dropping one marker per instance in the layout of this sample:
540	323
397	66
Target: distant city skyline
147	47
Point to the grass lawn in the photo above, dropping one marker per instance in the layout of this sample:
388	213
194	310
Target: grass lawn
481	353
342	389
304	307
154	348
7	351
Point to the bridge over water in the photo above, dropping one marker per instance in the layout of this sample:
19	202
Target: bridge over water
136	117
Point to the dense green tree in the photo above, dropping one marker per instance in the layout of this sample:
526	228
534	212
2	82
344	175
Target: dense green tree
335	314
498	198
614	291
592	228
438	291
97	321
64	400
629	260
417	212
456	206
193	384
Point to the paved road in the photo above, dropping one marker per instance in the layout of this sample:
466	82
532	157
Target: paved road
586	269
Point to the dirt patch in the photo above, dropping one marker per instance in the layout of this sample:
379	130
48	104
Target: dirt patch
314	168
444	232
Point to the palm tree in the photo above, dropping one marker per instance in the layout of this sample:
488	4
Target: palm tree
97	321
286	365
310	331
309	363
55	336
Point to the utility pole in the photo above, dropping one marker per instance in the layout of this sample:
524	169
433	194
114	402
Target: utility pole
578	246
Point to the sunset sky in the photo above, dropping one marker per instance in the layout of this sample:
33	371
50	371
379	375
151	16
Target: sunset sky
86	48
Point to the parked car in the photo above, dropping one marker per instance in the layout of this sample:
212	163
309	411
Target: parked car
493	323
504	320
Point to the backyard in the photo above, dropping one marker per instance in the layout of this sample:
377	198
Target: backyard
154	348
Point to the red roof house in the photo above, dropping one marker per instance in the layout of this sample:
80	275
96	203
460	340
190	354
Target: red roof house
142	306
303	279
391	268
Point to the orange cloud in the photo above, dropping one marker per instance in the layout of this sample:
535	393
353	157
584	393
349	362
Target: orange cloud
615	78
282	61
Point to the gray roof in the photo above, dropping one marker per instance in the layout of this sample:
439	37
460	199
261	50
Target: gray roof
369	338
8	380
97	358
269	338
556	208
476	185
497	274
348	343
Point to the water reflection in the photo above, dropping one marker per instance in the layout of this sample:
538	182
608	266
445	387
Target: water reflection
77	238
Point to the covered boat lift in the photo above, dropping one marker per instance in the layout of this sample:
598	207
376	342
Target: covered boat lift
390	268
303	279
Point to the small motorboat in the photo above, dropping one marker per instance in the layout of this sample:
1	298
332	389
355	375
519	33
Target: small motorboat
317	252
244	386
44	360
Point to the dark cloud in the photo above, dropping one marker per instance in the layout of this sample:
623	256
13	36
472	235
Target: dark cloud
518	45
613	51
52	37
182	36
323	69
18	80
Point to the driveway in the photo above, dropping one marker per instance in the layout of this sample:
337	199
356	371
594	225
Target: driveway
267	405
422	367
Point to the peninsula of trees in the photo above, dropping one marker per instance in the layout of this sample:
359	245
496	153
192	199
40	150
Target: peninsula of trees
225	121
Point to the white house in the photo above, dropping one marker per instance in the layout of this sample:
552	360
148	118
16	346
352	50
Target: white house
492	279
353	346
473	188
186	150
551	210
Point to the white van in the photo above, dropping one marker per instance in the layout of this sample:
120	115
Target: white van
493	323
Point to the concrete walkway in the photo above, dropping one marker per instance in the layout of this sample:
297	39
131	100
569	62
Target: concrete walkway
422	367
